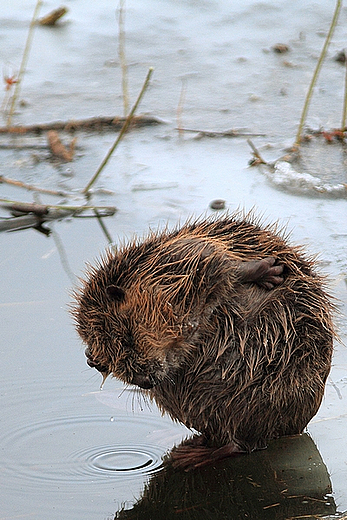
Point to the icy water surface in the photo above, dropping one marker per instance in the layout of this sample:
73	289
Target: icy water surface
67	449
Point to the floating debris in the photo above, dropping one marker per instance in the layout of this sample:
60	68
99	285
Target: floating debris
53	16
58	149
341	57
217	204
280	48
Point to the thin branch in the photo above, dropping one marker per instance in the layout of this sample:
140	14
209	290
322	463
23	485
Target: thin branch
30	187
52	17
121	133
43	209
227	133
27	215
23	146
93	123
256	154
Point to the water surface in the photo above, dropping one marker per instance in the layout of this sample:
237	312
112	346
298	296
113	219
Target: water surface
67	449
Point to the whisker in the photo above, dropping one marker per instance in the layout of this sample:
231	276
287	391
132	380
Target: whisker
93	375
140	397
123	390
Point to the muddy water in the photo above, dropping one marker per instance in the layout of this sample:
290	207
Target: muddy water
67	449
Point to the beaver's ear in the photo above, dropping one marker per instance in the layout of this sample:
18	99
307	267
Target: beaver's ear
115	293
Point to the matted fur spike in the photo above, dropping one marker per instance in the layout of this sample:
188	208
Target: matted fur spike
221	321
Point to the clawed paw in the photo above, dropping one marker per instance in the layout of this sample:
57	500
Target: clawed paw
264	273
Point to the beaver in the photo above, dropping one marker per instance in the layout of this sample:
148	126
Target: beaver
222	322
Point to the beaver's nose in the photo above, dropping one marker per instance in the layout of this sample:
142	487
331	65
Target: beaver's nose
143	381
93	363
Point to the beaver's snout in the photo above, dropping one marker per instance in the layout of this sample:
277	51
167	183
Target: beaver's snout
94	364
143	381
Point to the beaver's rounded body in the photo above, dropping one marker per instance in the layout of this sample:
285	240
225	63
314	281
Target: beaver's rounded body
221	339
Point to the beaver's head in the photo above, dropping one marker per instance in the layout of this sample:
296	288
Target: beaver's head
132	333
141	309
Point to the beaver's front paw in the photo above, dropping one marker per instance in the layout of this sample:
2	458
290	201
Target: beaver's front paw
262	272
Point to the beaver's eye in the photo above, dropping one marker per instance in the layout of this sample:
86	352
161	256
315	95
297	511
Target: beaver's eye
115	293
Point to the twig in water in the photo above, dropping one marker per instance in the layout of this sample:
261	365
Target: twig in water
23	146
30	187
93	123
121	133
122	58
227	133
52	17
57	147
43	209
257	157
24	61
316	72
27	215
18	208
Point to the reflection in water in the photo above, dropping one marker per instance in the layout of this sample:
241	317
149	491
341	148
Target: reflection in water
287	480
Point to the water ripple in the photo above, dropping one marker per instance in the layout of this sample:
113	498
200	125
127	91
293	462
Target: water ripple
63	450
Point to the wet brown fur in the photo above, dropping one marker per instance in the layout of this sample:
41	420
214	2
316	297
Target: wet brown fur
237	362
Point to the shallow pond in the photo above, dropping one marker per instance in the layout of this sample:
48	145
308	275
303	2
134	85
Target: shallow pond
67	449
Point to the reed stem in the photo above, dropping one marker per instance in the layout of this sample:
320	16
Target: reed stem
24	62
122	57
316	72
344	111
